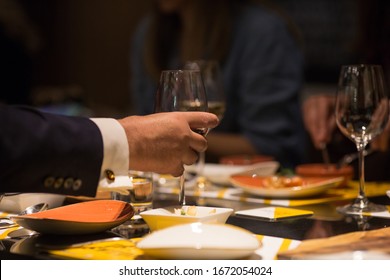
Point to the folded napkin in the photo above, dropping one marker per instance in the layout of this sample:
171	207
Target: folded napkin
373	240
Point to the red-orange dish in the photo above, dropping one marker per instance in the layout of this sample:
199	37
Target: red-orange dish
325	171
79	218
284	186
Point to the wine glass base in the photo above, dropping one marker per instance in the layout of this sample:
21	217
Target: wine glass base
360	206
202	183
135	227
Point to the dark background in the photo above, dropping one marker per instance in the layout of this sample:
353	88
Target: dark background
72	56
83	46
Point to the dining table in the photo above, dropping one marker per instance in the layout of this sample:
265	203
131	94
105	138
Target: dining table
279	237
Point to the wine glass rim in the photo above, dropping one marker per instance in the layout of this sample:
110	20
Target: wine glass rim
181	70
362	65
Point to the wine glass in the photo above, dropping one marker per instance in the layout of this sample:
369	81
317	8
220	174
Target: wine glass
216	100
362	111
181	90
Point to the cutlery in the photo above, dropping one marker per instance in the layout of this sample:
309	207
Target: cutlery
21	233
325	154
8	223
34	209
349	158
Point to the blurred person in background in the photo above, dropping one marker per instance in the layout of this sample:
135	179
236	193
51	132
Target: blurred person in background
20	44
261	64
371	44
19	41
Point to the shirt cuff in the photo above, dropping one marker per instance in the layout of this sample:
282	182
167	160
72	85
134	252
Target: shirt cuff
115	154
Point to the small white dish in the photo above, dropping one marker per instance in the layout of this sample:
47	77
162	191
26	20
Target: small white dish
161	218
220	173
18	202
200	241
388	193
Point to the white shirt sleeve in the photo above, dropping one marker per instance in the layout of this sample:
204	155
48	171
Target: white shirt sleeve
116	155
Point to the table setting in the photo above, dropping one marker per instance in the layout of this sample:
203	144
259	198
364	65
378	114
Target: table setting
82	220
82	231
247	186
245	207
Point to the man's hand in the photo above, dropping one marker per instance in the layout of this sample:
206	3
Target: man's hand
165	142
319	119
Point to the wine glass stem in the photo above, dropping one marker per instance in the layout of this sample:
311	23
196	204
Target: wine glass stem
182	197
201	163
362	194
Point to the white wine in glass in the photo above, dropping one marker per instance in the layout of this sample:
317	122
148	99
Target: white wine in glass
362	112
212	79
181	90
216	101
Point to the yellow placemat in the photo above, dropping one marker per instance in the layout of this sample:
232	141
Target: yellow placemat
4	231
126	249
101	250
331	195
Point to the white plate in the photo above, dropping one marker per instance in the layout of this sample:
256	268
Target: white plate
311	186
79	218
17	203
388	193
162	218
200	241
220	173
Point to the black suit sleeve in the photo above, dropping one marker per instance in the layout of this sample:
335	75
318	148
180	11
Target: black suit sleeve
48	153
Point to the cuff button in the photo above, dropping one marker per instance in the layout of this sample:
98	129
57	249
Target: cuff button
58	183
48	182
110	175
77	184
68	183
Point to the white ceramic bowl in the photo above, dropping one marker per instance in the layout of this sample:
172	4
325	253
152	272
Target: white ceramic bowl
162	218
220	173
200	241
17	203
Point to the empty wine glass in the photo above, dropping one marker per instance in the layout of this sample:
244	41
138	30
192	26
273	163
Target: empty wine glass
362	111
181	90
216	100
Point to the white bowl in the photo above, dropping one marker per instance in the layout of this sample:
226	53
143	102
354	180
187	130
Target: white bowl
18	202
200	241
220	173
162	218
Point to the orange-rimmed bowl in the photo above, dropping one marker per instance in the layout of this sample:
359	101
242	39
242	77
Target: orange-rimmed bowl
325	171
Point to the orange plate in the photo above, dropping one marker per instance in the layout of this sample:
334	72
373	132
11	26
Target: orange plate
79	218
310	186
